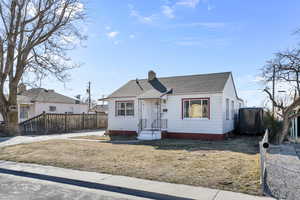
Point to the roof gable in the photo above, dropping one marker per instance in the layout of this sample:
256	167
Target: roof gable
202	83
49	96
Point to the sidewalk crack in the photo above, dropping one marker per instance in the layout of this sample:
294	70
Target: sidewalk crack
214	198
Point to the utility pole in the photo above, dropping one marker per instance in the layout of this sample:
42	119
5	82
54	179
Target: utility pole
89	93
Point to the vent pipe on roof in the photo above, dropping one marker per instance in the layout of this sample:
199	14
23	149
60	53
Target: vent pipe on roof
151	75
138	83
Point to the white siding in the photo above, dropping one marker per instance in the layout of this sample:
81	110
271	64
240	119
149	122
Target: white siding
174	116
210	126
126	123
229	93
217	124
60	108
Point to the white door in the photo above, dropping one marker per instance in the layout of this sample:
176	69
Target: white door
150	111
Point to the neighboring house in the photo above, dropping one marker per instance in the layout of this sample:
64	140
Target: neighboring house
100	108
191	107
35	101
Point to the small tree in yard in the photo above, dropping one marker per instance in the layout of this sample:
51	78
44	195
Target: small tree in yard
34	38
285	69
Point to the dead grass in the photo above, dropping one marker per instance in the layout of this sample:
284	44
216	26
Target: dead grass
105	138
92	137
229	165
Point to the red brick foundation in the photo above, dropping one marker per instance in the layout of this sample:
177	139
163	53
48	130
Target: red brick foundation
194	136
122	133
173	135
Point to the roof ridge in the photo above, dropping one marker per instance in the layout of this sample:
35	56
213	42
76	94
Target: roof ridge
166	77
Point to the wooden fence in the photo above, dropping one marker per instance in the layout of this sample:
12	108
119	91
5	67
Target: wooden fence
48	123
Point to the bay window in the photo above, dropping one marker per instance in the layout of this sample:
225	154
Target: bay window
196	108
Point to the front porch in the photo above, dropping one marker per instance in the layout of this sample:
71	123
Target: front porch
152	118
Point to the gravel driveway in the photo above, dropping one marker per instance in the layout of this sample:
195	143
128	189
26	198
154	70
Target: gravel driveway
283	172
29	139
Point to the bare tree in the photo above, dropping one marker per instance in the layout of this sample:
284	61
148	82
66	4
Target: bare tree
34	38
287	71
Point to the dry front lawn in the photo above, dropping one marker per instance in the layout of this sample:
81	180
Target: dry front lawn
230	165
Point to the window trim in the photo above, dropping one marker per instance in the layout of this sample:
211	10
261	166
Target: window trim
232	110
188	99
125	101
227	109
52	107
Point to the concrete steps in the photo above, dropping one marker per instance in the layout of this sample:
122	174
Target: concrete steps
149	135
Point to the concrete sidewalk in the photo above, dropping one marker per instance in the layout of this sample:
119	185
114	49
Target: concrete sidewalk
29	139
118	185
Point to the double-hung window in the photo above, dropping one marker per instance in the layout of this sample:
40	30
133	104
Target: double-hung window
196	108
232	110
124	108
227	109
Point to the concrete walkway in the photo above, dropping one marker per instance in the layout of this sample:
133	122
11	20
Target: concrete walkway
29	139
113	187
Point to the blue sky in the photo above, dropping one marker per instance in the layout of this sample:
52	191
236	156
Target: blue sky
127	38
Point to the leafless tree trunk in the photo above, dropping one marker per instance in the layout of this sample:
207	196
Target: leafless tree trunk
34	38
287	70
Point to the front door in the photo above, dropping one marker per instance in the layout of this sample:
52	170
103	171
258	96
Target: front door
155	113
150	112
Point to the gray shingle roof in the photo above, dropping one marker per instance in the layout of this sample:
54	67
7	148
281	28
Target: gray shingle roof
202	83
49	96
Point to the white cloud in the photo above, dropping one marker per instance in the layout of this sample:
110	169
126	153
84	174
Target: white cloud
143	19
72	10
188	3
112	34
204	42
209	25
210	7
31	11
168	11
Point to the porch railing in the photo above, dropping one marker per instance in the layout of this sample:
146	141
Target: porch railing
160	124
142	125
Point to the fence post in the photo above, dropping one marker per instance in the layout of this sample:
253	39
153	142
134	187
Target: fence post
66	115
83	120
45	122
96	120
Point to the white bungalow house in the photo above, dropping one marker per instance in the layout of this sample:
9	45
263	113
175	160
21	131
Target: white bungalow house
35	101
191	107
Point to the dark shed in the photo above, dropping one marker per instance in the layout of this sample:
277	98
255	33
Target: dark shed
251	121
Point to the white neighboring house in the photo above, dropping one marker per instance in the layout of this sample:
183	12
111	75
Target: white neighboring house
35	101
189	107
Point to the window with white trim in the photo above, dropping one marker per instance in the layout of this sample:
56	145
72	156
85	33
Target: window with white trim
227	109
232	110
196	108
125	108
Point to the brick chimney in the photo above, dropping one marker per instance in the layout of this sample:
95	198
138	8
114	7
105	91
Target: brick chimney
151	75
